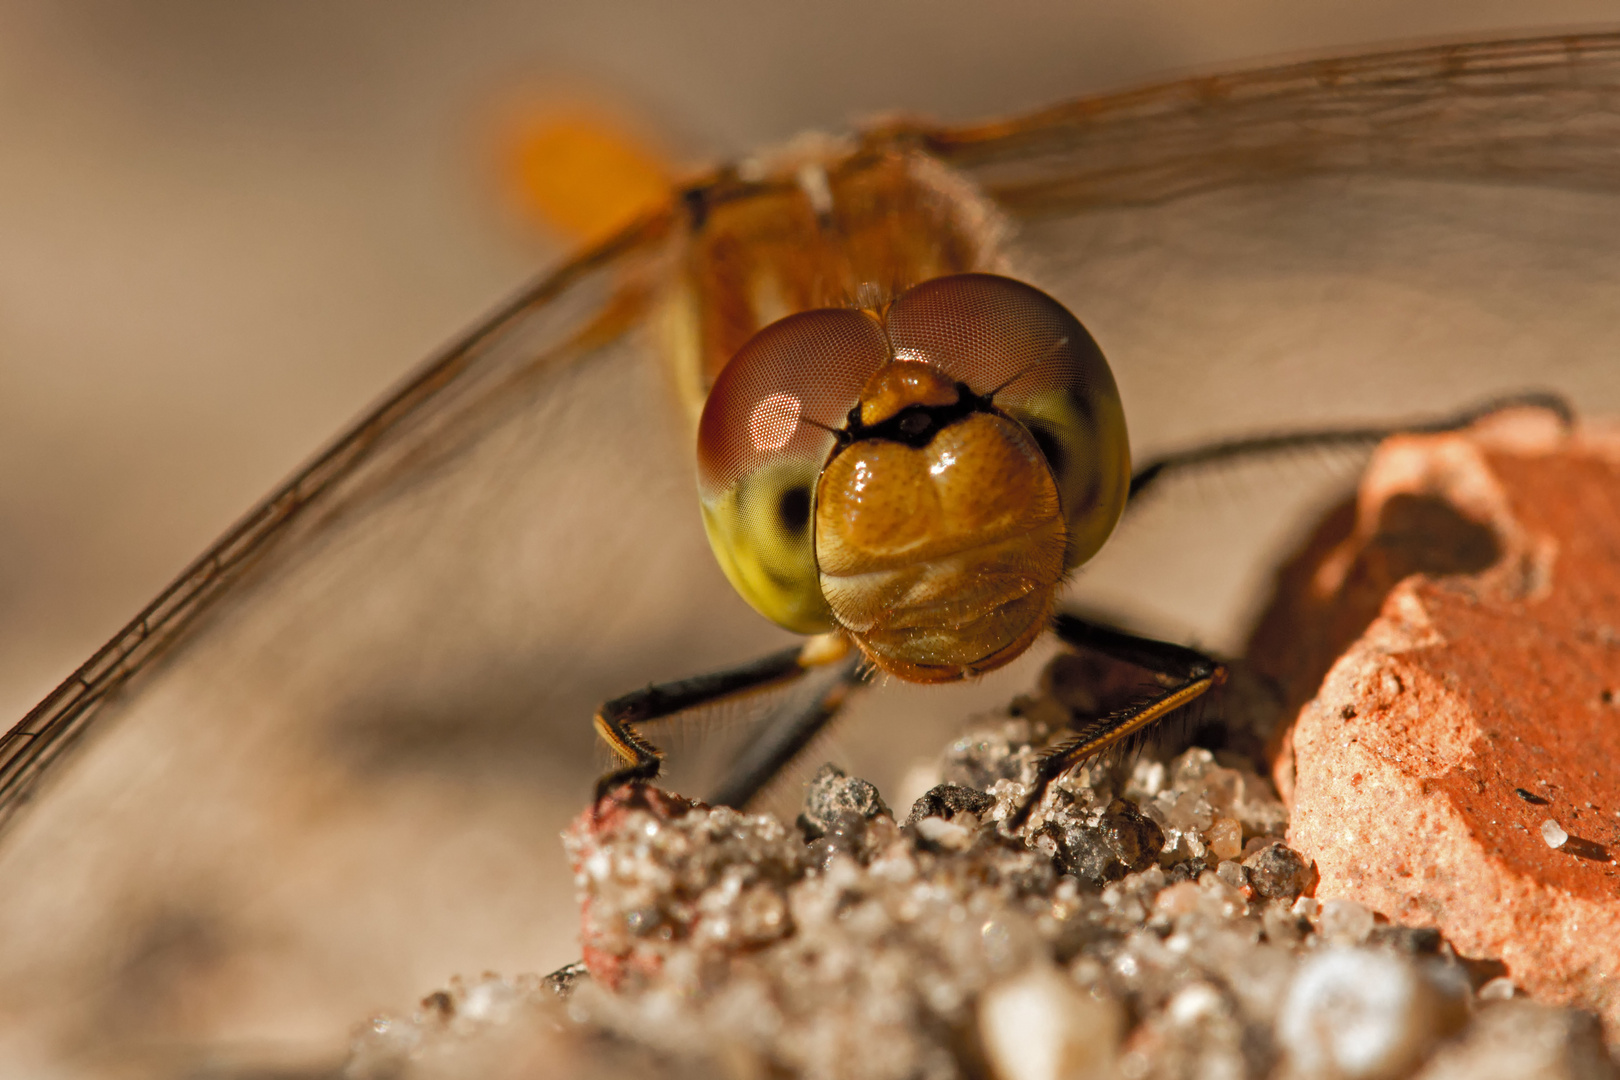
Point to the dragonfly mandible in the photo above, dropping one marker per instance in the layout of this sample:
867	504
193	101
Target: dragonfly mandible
316	769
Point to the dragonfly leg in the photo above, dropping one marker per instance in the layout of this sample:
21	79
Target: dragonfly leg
1190	673
786	735
1283	442
617	721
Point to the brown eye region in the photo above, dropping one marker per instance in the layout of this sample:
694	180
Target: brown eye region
921	477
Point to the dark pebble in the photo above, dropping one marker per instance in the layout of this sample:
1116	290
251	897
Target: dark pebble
1412	940
1122	842
1278	872
948	800
1136	838
834	799
562	981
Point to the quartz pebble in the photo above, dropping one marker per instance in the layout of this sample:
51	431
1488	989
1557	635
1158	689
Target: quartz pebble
1345	922
1554	834
1225	838
1363	1015
1041	1026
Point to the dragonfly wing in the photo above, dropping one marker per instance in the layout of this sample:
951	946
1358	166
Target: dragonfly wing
375	707
1543	111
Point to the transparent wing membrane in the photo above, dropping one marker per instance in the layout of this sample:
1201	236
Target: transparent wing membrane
355	720
558	322
325	770
1543	110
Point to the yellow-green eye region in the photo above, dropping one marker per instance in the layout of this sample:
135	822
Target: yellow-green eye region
768	426
1085	444
762	532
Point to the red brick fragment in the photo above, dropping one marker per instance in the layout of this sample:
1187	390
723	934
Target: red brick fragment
1474	592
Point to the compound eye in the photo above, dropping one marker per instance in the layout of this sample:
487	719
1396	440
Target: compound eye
1003	337
767	429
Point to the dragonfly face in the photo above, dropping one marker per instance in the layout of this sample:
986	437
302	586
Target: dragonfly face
272	802
920	475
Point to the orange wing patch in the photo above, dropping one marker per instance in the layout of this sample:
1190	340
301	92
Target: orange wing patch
579	171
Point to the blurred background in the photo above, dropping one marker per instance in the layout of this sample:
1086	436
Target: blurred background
227	227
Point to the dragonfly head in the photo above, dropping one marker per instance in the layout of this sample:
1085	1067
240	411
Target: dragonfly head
921	477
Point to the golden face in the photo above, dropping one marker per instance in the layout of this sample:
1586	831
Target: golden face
920	476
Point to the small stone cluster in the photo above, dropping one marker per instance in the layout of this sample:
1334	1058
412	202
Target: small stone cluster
1147	921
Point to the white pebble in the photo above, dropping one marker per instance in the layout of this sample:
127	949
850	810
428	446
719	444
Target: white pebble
1040	1026
1148	777
1554	834
947	834
490	1000
1345	922
1225	838
1194	1003
1360	1015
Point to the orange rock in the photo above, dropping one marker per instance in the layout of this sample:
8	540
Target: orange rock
1466	614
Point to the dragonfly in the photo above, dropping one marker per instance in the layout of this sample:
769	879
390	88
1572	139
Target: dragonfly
325	767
